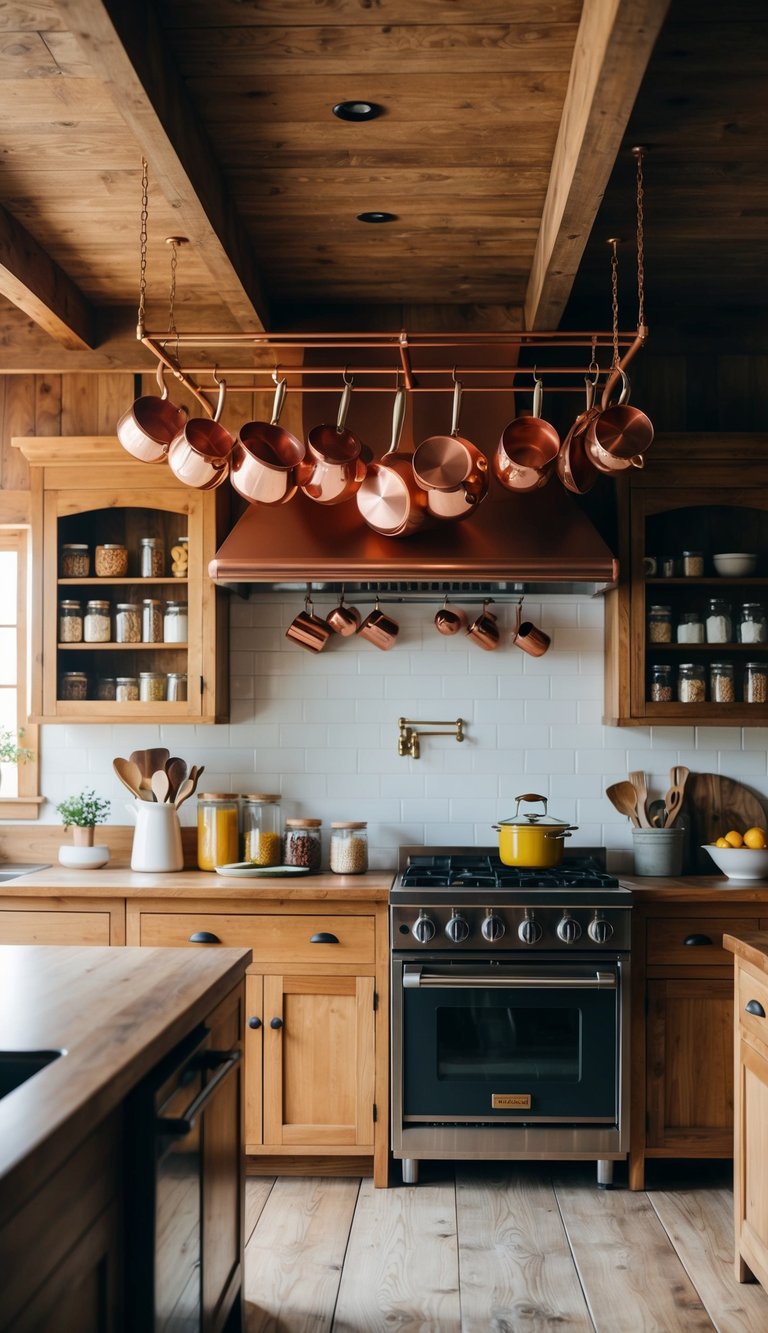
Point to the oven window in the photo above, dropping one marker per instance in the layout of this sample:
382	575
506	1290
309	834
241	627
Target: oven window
482	1041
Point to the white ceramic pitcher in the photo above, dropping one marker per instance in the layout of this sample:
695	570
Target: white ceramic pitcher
157	836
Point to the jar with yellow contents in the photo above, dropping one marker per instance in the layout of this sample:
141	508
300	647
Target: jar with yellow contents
261	829
218	835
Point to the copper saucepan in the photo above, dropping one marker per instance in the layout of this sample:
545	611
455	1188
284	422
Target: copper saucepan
266	459
390	499
618	436
147	428
199	454
526	453
574	467
335	469
452	470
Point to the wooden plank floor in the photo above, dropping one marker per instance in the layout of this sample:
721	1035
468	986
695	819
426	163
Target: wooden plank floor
500	1246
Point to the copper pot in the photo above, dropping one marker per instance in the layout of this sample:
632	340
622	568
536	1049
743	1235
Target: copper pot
526	453
334	467
266	459
452	470
199	454
379	628
147	428
308	630
390	499
617	437
573	465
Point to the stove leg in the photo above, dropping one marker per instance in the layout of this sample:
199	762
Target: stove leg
410	1170
604	1174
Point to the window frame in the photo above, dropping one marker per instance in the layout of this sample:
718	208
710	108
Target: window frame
17	537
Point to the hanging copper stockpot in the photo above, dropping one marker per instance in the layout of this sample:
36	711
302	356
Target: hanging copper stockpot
526	453
452	470
266	459
390	499
334	466
199	454
147	428
617	436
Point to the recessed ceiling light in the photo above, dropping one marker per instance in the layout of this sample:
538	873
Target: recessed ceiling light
377	217
357	110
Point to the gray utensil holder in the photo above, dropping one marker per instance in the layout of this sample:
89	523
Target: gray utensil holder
658	851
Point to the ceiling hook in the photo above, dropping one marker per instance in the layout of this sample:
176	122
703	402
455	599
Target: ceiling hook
276	375
347	378
453	375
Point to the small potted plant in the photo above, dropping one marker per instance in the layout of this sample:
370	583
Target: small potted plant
82	813
11	752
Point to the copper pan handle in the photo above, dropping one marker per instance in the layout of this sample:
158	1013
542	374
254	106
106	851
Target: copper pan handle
161	384
456	409
538	396
278	400
398	417
625	390
341	419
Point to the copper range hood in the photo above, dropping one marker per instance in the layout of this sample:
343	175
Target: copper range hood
542	539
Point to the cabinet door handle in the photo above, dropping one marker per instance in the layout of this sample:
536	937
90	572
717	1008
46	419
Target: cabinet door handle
323	937
755	1007
204	937
275	1022
254	1022
697	939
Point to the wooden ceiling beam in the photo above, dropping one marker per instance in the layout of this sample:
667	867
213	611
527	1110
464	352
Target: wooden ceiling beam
125	46
613	47
38	287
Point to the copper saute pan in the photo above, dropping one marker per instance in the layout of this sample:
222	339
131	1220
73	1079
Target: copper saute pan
452	470
390	499
147	428
199	455
334	469
266	459
617	437
526	453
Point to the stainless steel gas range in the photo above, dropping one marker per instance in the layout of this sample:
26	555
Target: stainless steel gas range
510	1012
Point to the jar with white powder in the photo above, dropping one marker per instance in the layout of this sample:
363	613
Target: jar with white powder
718	623
752	625
690	628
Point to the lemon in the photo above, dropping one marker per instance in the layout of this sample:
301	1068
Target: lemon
721	842
734	838
756	838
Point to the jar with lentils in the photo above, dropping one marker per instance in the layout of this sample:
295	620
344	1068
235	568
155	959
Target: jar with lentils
74	685
97	626
152	558
70	622
349	848
106	688
152	685
722	689
691	683
261	829
693	564
75	560
661	683
755	682
110	561
302	843
127	623
660	624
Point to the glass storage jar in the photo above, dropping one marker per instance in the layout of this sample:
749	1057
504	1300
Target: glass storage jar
152	558
349	848
722	687
106	687
752	624
218	834
719	623
262	843
151	620
302	845
176	687
661	683
660	624
75	560
97	626
127	622
126	689
152	686
74	685
110	561
755	682
693	564
180	558
689	628
175	622
70	622
691	683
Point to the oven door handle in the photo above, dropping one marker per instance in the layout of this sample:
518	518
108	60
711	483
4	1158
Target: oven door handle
414	977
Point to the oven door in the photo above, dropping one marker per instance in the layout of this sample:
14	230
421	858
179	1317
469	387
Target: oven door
534	1042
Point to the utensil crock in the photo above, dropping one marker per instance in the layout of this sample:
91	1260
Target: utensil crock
156	838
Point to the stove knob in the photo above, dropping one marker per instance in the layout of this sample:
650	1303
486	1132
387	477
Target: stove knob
423	928
529	930
492	928
457	929
599	929
568	930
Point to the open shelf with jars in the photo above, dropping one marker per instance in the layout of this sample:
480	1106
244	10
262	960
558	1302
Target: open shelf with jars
684	642
132	627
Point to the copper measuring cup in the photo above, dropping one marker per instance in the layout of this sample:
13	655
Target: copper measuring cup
528	636
526	453
484	631
334	469
147	428
380	629
308	630
266	459
452	470
199	454
343	619
448	620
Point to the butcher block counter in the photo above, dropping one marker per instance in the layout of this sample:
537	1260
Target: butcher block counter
121	882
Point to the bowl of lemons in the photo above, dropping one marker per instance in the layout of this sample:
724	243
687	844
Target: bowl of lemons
741	855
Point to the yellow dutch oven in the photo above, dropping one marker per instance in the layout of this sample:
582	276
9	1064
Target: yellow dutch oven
533	840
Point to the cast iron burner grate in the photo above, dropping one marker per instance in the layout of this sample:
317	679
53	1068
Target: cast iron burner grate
489	872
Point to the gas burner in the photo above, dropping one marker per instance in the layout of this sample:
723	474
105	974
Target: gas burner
464	870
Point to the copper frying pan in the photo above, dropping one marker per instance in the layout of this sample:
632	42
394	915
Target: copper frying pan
526	453
334	466
390	499
452	470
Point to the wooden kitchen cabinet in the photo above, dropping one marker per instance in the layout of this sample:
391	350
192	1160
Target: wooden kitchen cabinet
89	490
751	1115
704	493
682	1031
61	921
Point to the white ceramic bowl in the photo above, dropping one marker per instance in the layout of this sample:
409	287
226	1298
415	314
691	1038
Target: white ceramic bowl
740	862
736	564
83	858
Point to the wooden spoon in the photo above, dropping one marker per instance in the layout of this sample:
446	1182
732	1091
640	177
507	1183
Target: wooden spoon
150	760
160	785
177	771
189	786
623	797
673	800
640	784
129	774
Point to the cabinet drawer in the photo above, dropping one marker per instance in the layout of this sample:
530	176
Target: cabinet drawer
752	988
273	939
54	927
666	939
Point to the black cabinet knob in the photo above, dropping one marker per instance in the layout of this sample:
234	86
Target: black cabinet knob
697	939
755	1007
323	937
275	1022
254	1022
204	937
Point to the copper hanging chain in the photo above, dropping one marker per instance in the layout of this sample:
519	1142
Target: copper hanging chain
614	244
143	247
172	292
639	155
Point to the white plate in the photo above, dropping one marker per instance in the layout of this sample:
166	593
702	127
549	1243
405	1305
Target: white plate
244	870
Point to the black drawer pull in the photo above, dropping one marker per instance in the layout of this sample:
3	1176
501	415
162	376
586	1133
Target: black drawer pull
755	1007
204	937
697	939
275	1022
254	1022
323	937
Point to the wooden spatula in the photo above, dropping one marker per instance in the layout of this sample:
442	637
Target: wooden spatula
673	800
623	798
640	784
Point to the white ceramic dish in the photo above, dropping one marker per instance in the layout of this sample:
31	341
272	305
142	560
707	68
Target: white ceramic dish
740	862
83	858
735	564
244	870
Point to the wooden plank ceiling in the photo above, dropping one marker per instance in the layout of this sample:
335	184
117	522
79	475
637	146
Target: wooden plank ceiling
499	129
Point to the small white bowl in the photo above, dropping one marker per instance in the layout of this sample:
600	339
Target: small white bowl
735	564
83	858
740	862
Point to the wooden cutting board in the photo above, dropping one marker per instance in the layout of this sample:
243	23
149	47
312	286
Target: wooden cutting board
714	805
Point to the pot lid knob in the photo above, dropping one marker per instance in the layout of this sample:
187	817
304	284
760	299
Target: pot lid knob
530	796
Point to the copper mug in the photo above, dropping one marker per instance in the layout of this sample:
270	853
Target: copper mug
380	629
308	630
529	637
484	631
448	620
343	619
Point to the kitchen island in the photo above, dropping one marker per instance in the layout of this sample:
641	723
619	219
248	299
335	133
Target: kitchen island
108	1017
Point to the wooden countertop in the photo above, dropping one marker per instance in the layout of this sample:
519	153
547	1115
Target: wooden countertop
752	947
115	1012
695	888
121	882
